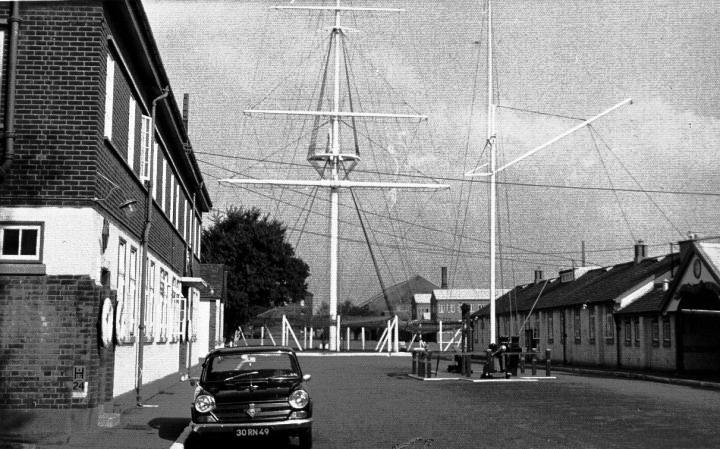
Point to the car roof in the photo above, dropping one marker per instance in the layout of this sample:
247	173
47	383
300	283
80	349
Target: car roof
250	350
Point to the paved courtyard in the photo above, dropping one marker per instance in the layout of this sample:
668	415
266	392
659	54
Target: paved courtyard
369	402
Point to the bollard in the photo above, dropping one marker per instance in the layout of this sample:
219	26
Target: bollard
428	364
522	363
421	364
414	362
547	362
533	360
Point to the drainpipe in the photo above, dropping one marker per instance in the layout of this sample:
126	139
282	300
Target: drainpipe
14	21
145	254
188	309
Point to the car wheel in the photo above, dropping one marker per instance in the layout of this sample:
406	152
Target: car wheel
305	439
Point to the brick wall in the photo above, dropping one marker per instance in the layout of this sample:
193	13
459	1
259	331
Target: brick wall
59	84
49	326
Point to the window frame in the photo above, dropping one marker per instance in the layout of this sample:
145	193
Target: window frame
550	327
577	325
667	332
627	327
132	106
22	226
636	330
591	324
146	152
655	331
109	96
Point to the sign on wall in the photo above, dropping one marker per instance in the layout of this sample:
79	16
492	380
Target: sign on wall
79	384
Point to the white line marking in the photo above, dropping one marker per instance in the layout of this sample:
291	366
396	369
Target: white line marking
180	441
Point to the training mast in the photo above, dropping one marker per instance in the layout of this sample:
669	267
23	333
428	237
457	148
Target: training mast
492	171
336	162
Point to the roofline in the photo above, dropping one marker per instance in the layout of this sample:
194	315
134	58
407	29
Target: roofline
140	19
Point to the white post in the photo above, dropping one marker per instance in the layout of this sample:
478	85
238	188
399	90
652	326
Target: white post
412	340
283	333
289	331
389	336
440	336
271	336
243	337
262	335
337	334
397	335
380	342
312	332
347	338
305	337
362	336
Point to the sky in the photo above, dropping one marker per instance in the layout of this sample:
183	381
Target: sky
646	171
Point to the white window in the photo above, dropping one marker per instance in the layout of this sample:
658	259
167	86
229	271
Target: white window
20	242
164	187
109	95
176	218
178	310
145	153
172	198
164	291
150	300
122	313
186	222
131	134
132	289
154	166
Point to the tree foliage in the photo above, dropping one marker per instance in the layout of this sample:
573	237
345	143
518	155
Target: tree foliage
263	269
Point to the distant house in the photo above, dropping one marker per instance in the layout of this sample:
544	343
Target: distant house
421	306
211	311
445	303
400	296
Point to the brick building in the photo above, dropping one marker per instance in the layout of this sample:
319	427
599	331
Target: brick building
89	196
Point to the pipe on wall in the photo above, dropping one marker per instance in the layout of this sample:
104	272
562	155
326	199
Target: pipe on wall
9	153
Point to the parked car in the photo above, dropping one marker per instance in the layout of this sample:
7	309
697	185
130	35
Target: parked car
252	392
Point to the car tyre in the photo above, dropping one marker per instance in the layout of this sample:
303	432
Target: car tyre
305	439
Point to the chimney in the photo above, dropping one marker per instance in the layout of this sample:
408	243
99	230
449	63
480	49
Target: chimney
538	275
443	278
640	251
186	110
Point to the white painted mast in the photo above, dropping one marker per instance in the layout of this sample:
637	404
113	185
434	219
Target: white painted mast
335	157
492	173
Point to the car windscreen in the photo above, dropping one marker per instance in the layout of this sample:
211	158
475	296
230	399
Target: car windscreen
251	366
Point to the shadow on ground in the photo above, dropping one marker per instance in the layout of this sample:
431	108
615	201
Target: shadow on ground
169	428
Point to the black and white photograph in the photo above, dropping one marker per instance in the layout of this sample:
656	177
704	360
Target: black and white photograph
397	224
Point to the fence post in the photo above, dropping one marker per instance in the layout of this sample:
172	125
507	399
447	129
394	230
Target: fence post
414	362
547	362
428	365
533	361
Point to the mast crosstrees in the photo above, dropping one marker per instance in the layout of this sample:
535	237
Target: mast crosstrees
335	157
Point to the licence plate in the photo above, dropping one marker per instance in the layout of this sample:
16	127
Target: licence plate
252	432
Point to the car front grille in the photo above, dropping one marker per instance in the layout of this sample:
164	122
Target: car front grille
264	411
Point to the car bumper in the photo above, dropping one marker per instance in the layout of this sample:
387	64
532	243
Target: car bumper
281	426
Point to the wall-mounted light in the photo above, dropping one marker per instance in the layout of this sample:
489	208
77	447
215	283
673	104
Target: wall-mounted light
128	207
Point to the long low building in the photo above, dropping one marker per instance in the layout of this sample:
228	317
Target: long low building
659	313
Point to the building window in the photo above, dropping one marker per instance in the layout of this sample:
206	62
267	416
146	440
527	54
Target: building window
536	326
636	330
550	327
577	326
667	337
155	167
132	289
591	324
177	215
609	327
20	242
628	332
172	198
164	290
145	151
150	302
164	186
655	326
124	313
186	216
131	134
109	95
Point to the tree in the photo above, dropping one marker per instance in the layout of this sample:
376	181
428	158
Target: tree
263	269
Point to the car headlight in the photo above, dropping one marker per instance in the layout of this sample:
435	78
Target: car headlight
204	403
299	399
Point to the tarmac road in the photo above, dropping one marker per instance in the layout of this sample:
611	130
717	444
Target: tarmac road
370	402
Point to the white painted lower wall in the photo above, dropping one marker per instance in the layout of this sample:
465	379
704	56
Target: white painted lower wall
202	326
159	360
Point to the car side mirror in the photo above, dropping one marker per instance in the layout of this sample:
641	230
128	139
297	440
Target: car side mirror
306	377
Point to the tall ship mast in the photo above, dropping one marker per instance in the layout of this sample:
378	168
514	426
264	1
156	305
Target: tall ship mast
492	171
336	163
